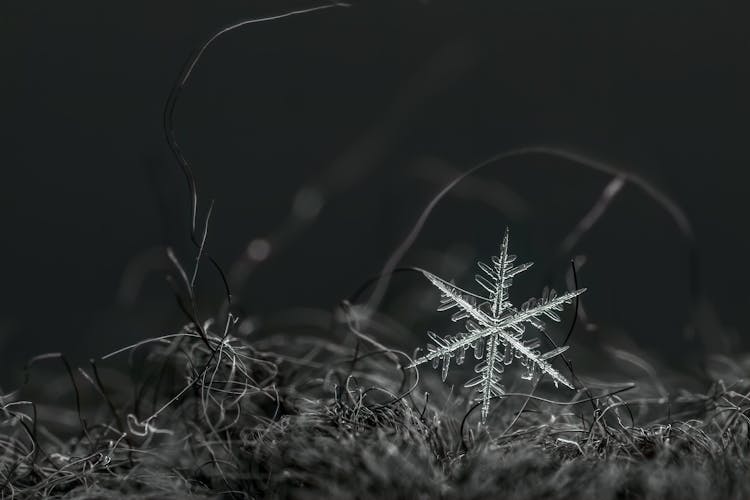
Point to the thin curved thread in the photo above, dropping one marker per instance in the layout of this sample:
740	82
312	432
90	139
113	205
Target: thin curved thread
575	313
543	400
565	360
661	198
169	128
189	67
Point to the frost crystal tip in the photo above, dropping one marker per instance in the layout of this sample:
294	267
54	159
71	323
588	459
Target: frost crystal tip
495	328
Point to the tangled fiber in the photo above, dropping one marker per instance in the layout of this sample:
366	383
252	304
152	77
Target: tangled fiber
208	414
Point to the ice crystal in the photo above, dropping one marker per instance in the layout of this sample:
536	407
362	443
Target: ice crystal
495	328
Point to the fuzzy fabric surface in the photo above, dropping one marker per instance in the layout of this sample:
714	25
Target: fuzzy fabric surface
201	414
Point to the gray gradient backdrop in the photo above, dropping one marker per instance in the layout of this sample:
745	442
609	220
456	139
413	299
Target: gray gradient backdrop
379	103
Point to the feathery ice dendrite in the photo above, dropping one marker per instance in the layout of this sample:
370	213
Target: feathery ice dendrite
495	328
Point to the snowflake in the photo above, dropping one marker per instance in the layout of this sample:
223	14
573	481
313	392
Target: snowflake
495	328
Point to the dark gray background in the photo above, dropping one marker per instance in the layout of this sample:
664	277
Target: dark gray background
376	102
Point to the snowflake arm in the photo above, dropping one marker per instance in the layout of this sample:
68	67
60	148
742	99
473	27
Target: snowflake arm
489	379
547	305
454	297
500	277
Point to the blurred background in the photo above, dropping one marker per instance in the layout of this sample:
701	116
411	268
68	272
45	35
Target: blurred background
321	137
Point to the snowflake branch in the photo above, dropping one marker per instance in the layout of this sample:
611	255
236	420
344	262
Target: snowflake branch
496	321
